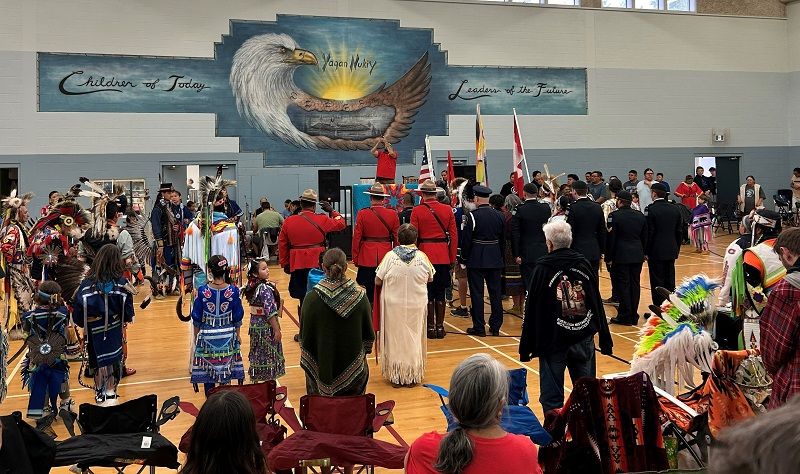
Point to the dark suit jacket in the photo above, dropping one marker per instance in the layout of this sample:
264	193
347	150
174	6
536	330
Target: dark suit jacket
628	237
664	229
527	237
588	228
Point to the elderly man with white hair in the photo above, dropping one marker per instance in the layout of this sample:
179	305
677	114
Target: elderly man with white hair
563	313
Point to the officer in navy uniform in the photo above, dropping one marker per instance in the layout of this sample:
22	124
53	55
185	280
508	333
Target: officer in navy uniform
527	237
624	255
588	226
482	252
665	232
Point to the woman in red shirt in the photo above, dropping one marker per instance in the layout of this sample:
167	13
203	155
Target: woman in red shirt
688	191
478	391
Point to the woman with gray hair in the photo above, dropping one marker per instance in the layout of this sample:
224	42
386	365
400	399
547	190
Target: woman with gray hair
478	391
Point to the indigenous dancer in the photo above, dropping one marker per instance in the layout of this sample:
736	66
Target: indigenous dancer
266	350
106	210
211	233
103	304
56	234
166	231
14	238
701	225
217	319
45	370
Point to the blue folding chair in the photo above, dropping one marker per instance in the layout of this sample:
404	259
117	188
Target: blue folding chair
517	418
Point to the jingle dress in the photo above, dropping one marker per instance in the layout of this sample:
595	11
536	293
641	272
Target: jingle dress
217	354
266	356
45	370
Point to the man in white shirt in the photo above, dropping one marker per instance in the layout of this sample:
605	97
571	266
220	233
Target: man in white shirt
643	189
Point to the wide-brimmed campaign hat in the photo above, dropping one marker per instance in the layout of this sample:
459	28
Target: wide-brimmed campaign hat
309	195
376	190
427	186
165	187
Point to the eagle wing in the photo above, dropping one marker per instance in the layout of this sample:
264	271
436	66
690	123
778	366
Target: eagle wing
388	111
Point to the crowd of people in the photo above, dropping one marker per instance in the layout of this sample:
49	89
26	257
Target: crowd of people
543	249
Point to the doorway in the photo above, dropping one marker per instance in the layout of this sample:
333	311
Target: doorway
9	180
728	179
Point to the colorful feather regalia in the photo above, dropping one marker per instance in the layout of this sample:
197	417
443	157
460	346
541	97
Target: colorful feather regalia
675	340
208	235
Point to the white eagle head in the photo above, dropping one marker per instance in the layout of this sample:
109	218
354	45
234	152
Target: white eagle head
262	79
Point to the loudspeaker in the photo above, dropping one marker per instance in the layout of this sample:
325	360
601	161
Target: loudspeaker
328	183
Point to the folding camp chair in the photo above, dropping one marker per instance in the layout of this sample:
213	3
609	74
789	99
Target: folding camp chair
340	429
518	418
121	435
267	400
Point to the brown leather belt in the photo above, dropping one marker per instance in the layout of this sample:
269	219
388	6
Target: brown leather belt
376	239
432	241
300	247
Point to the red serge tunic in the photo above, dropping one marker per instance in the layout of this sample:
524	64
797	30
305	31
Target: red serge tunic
300	242
371	238
432	238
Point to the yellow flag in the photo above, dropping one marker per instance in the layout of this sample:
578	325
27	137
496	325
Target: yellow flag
480	151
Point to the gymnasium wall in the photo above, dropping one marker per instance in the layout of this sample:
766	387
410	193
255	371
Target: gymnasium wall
658	84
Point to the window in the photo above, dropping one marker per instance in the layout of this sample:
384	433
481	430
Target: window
542	2
669	5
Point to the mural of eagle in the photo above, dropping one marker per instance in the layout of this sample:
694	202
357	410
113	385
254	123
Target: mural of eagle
262	79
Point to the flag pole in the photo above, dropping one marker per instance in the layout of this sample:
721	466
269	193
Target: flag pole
430	158
524	158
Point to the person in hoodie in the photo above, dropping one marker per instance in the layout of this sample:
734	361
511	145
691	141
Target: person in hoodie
563	312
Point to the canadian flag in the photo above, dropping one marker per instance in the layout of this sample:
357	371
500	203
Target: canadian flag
519	157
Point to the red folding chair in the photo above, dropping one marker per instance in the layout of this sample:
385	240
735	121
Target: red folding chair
339	430
267	400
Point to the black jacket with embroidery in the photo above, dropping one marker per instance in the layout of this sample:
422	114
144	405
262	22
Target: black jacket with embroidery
563	307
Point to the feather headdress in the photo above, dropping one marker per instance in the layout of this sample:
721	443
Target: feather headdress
100	200
67	213
12	203
211	188
674	341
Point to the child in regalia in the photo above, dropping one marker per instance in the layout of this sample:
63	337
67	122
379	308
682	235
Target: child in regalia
266	350
701	225
45	369
217	319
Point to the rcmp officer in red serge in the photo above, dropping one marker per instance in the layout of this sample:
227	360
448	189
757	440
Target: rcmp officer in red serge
438	238
302	239
374	234
484	236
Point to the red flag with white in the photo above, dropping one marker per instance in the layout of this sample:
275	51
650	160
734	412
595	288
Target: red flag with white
519	158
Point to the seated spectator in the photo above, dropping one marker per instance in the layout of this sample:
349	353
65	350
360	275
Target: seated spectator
478	391
224	438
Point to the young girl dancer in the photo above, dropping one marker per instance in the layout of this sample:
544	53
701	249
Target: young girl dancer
266	350
701	225
217	318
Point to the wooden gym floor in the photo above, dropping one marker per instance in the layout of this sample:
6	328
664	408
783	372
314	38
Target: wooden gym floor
159	351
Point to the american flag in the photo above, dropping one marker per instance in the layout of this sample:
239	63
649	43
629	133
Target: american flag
426	170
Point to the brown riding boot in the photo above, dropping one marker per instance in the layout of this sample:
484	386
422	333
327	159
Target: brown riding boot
440	305
431	320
